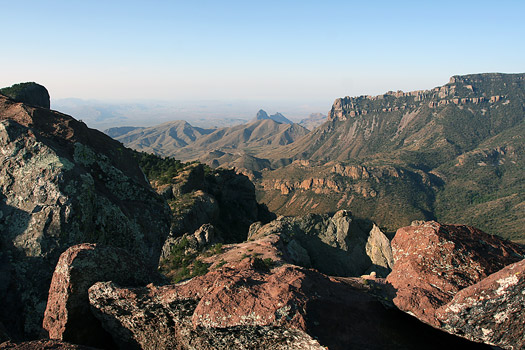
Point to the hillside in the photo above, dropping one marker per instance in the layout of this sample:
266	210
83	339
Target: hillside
181	140
161	139
452	153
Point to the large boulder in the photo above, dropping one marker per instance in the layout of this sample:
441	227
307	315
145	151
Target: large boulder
247	304
30	93
433	262
62	184
68	316
336	245
490	311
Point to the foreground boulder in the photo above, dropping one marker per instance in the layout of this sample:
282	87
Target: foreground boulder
433	262
490	311
68	316
336	245
250	305
62	184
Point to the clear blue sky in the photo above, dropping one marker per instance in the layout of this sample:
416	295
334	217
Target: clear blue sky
247	50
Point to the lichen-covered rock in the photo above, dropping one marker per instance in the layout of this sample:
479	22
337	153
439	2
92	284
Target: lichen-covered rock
434	261
62	184
336	245
490	311
42	344
250	305
68	316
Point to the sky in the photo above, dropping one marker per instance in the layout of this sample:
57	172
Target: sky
296	52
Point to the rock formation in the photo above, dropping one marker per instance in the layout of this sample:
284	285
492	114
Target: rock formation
68	316
247	305
337	245
61	184
32	94
433	262
220	197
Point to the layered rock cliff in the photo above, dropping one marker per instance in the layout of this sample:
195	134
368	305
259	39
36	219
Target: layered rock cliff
459	146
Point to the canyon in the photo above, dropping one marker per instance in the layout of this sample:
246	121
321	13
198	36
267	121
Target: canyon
95	254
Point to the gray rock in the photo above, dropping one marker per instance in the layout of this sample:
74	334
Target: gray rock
207	235
63	184
337	245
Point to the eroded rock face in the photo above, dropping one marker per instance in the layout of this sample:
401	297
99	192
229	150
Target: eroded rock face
61	184
337	245
433	262
246	305
490	311
68	316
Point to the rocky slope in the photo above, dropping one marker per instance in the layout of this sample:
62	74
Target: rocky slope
62	183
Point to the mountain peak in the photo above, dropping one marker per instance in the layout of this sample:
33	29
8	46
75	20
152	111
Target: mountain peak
261	115
277	117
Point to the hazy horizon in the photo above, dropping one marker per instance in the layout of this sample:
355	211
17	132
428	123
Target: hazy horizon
280	55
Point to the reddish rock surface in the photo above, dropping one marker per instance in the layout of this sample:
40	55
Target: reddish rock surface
246	305
433	262
43	344
491	311
68	316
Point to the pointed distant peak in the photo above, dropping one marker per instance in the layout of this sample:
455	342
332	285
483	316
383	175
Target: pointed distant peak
261	115
279	118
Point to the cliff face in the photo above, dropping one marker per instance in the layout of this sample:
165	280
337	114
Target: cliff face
62	183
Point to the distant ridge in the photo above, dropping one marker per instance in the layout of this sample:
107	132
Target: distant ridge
277	117
186	142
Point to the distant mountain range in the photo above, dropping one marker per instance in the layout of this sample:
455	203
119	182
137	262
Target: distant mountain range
452	153
313	120
181	140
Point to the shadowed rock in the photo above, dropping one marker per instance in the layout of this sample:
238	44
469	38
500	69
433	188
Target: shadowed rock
337	245
68	316
30	93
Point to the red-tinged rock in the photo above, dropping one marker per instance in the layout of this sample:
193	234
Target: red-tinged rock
68	316
432	262
43	344
249	305
491	311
